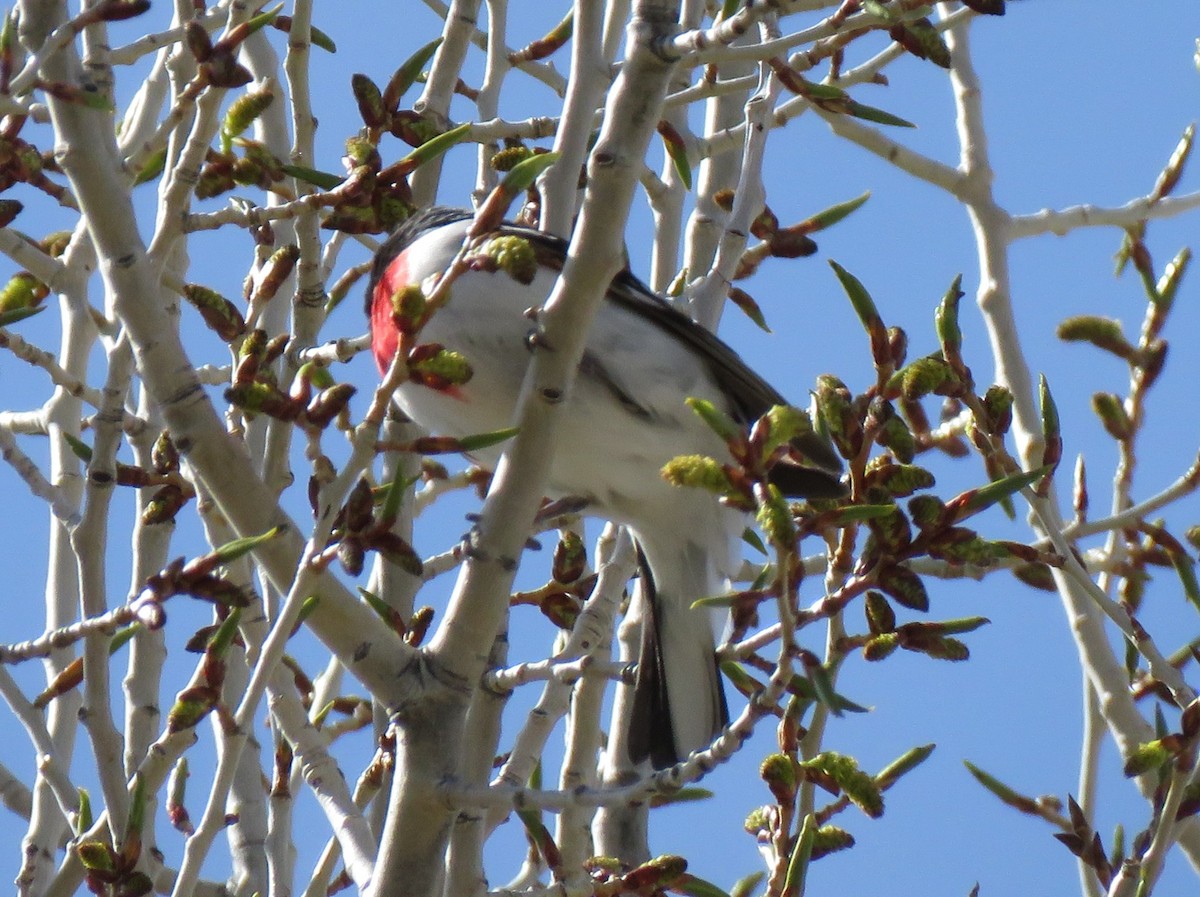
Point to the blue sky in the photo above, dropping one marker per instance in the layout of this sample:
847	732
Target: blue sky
1084	103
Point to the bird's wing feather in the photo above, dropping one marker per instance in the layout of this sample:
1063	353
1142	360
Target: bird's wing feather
750	395
678	703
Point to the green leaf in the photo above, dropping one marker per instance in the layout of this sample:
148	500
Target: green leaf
751	538
1050	420
860	513
1146	758
804	688
1169	177
999	789
993	492
798	862
864	305
96	857
222	637
136	820
231	551
697	887
320	39
870	113
815	91
262	19
321	179
84	818
716	419
486	440
877	9
96	100
682	796
822	684
744	887
523	174
1168	284
19	314
832	215
740	677
1051	432
746	304
548	44
307	607
123	635
385	611
1185	568
395	494
152	169
904	586
718	601
1103	333
902	765
407	74
384	493
957	626
81	449
434	147
677	151
946	321
8	32
540	836
921	38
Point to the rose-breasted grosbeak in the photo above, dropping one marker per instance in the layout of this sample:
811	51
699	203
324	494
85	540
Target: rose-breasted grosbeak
626	419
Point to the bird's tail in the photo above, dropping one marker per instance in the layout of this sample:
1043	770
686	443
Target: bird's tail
678	702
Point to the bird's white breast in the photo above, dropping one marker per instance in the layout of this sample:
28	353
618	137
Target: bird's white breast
624	418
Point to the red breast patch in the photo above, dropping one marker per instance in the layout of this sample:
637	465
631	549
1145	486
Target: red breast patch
383	328
384	336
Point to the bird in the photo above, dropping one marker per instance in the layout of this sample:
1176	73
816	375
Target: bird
626	417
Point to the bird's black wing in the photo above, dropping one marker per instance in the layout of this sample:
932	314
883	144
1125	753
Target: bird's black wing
751	395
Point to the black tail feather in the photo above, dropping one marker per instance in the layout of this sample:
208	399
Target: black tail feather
651	734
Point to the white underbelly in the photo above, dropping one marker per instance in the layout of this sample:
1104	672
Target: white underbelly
606	449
